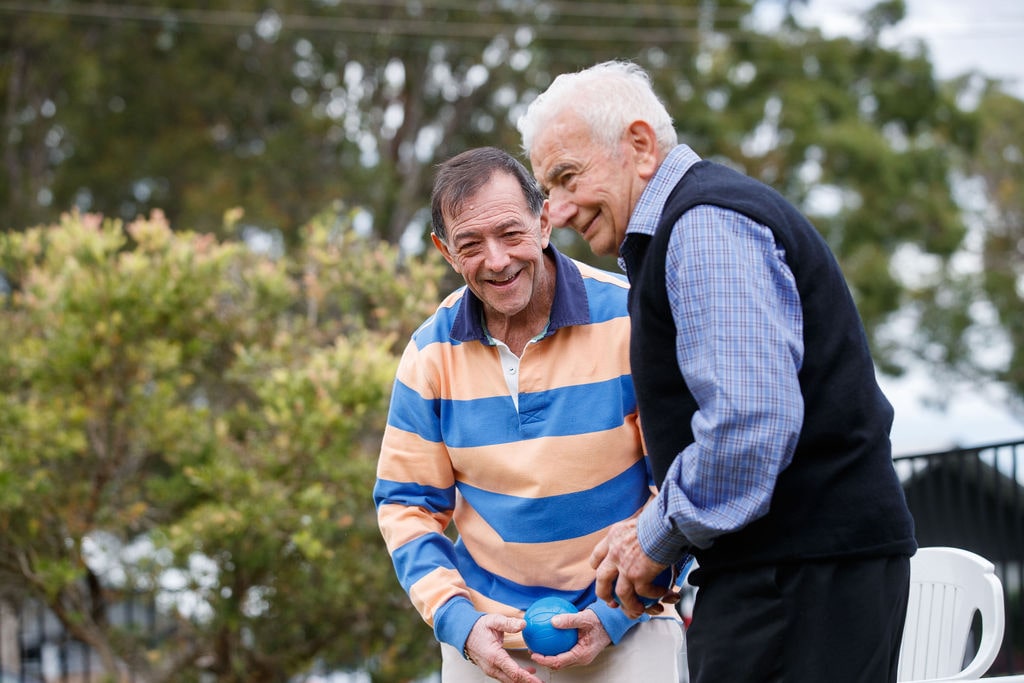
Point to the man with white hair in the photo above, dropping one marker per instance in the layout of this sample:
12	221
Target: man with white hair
765	427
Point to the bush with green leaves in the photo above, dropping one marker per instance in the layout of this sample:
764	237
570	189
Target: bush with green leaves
192	422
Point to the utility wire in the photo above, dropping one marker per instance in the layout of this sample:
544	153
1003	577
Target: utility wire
676	25
471	28
541	12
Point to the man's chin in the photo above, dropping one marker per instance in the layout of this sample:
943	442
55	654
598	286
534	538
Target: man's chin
600	247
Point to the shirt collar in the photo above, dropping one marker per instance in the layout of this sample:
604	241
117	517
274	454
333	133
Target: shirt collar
569	307
647	212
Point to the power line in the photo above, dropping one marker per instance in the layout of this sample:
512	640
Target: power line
684	25
237	18
426	28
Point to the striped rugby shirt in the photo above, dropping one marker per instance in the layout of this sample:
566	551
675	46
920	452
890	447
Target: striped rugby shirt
531	491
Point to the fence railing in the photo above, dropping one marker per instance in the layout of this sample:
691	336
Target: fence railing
971	498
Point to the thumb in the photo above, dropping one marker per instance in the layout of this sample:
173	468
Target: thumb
566	621
513	625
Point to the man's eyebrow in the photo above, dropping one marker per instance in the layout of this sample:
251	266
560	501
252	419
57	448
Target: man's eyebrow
510	222
465	236
558	169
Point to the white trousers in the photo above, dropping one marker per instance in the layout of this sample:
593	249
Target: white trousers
651	652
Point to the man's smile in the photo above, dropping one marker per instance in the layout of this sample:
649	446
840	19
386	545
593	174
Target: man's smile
586	228
504	280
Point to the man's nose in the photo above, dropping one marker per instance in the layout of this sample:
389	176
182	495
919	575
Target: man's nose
560	209
496	255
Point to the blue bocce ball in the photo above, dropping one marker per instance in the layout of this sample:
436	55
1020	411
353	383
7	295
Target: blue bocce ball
543	638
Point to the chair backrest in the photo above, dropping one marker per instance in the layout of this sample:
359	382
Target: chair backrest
947	587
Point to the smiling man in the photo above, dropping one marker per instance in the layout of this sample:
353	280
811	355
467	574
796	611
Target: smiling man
513	416
766	429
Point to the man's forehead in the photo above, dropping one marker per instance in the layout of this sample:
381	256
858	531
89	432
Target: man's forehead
499	201
561	147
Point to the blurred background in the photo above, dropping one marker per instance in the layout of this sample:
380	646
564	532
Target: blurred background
213	246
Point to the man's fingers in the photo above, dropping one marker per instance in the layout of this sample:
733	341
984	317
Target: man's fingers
671	598
592	640
599	552
607	574
513	625
655	609
505	669
625	593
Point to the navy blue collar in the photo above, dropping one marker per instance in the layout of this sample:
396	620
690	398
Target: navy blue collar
569	307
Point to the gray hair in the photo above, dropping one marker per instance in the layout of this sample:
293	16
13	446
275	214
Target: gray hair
608	97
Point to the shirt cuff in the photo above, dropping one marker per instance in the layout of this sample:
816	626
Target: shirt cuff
614	620
454	621
658	538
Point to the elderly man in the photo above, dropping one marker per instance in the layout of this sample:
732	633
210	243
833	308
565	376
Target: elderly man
766	429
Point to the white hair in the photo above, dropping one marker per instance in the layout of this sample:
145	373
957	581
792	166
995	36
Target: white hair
608	97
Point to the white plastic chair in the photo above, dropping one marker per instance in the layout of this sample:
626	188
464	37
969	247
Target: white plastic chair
947	587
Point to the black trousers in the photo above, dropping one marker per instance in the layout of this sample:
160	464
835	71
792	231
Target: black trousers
811	622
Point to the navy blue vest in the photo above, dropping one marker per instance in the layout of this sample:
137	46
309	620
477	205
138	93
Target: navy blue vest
840	496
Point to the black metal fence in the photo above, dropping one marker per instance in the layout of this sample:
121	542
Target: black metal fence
971	498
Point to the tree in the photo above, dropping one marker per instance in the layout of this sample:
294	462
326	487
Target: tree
860	136
285	110
187	421
121	109
999	162
966	313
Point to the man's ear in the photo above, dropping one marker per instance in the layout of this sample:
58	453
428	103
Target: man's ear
643	143
545	226
443	248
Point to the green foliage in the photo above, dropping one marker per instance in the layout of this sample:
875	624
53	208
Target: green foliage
970	322
1000	163
860	136
220	410
283	109
287	110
